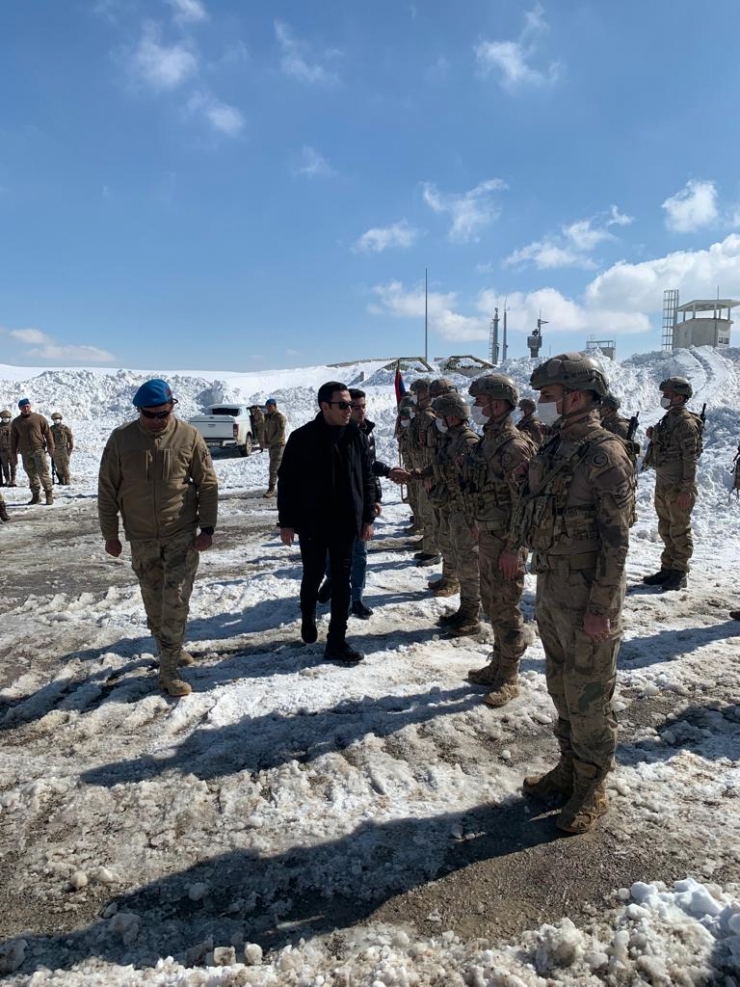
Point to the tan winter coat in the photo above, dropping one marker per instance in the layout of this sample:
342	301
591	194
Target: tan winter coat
29	433
275	425
162	483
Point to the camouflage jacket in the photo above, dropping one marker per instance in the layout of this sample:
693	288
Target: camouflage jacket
534	428
426	438
675	447
577	507
447	470
30	433
274	430
494	472
614	423
63	439
404	439
5	439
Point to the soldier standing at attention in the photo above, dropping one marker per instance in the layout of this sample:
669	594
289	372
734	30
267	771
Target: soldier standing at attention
63	446
30	434
7	465
420	455
156	472
674	450
611	420
257	419
402	434
435	439
575	513
274	441
496	470
529	423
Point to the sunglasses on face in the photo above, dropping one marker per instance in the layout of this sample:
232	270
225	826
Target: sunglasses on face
342	405
155	414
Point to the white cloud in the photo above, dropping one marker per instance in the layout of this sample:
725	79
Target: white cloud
513	59
692	208
379	239
188	11
395	300
470	211
160	66
225	119
313	164
43	346
295	59
571	246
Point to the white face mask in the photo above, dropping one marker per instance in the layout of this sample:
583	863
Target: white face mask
415	398
441	425
405	422
665	402
479	416
548	412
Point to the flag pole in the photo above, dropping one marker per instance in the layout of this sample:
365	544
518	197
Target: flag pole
426	316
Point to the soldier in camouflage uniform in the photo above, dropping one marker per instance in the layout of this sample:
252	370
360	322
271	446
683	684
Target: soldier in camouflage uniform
455	518
156	472
7	465
63	446
420	456
274	431
31	436
257	420
435	441
575	513
529	423
611	420
674	450
496	469
406	414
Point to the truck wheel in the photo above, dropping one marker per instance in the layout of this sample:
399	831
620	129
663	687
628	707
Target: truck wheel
246	449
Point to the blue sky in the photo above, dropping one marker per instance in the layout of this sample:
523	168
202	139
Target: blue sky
233	184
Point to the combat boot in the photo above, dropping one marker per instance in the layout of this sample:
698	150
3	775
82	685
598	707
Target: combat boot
270	492
4	516
169	678
35	497
488	674
558	781
185	658
657	578
676	579
49	498
446	587
734	615
588	801
450	618
428	559
467	626
506	686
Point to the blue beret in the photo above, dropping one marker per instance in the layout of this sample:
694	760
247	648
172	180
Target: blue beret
154	392
23	402
270	401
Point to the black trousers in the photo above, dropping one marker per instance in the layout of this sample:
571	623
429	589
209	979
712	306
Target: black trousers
315	546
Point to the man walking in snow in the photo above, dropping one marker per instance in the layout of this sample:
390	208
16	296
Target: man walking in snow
326	496
31	436
575	513
156	472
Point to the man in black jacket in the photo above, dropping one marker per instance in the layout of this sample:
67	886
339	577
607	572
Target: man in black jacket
326	495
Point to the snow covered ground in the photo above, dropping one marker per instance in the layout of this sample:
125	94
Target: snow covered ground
294	822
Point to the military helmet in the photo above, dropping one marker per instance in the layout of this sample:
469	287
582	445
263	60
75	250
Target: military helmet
528	406
5	413
420	384
680	385
405	404
611	401
57	414
451	404
442	385
574	371
498	387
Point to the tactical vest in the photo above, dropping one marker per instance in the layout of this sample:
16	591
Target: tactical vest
544	518
490	494
660	452
447	488
59	434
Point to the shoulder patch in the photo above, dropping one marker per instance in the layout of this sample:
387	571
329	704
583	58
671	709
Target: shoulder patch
599	459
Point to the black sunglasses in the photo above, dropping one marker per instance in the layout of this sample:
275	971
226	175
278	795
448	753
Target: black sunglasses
155	414
342	405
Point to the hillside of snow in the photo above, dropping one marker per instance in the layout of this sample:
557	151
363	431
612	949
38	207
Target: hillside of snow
294	822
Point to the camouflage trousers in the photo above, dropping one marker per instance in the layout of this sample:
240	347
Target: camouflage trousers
7	468
443	541
464	551
674	528
500	597
424	515
61	464
581	676
166	571
276	458
36	465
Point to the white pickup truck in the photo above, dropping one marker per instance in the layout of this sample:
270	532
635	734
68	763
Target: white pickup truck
226	425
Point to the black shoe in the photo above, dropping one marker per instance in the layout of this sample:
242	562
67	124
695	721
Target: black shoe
309	631
360	610
341	651
427	559
657	578
324	594
676	579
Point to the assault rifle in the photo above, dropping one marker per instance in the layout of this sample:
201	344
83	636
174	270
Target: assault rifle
703	414
735	470
54	474
632	428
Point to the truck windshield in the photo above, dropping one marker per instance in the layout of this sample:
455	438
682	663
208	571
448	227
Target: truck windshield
234	412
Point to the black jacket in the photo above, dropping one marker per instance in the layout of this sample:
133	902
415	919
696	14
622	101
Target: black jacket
326	481
379	469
